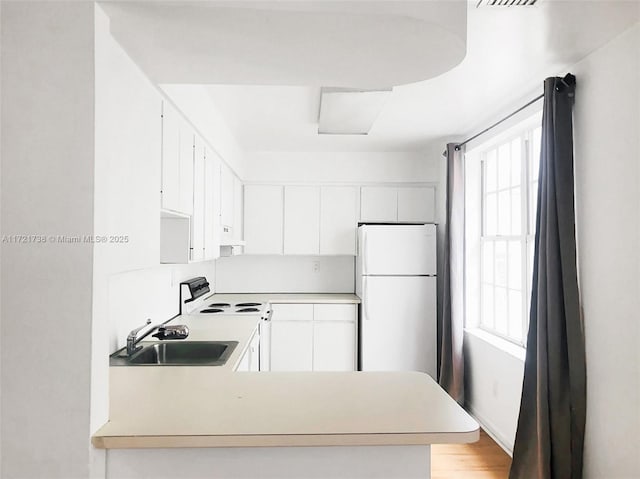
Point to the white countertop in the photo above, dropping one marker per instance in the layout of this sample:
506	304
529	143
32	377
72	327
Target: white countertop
199	406
287	297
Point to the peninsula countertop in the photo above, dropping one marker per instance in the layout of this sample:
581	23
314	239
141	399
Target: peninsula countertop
198	407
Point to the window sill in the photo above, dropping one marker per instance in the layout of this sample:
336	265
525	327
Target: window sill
508	347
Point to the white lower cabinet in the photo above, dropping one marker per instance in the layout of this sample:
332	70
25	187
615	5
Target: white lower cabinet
313	337
291	343
334	346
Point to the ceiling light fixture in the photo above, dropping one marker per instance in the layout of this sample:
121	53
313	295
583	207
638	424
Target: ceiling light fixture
349	112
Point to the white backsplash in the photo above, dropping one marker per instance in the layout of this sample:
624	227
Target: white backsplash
151	293
285	274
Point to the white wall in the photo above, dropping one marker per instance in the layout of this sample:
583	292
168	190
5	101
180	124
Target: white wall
130	284
340	167
607	149
493	385
47	189
607	153
285	274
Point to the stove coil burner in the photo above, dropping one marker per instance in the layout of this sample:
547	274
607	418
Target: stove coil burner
248	310
212	310
247	305
219	305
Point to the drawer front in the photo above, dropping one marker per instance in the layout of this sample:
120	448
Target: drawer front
335	312
292	312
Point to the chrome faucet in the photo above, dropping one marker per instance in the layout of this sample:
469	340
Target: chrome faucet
133	338
177	331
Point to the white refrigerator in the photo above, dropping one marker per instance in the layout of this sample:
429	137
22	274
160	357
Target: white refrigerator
396	282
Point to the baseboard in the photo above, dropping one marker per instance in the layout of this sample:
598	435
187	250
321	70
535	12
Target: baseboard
491	430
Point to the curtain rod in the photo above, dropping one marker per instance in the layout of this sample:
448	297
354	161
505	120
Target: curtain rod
502	120
567	80
459	145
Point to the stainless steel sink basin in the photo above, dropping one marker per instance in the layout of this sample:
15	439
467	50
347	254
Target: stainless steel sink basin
178	353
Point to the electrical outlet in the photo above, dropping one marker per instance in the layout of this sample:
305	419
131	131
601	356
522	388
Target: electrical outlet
316	266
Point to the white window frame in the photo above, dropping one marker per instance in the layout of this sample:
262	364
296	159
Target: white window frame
477	240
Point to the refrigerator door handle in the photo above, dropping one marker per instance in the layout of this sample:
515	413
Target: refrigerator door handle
363	253
365	316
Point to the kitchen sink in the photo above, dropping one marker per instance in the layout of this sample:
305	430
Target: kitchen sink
178	353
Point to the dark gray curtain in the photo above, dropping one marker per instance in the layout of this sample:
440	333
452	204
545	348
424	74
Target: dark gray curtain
550	436
451	376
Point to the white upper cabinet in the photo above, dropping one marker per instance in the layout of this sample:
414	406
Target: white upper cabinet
379	203
263	219
238	208
170	157
199	196
416	204
187	150
404	204
177	162
323	220
339	212
301	220
211	207
226	197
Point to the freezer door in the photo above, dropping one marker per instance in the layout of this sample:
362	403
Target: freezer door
398	324
397	249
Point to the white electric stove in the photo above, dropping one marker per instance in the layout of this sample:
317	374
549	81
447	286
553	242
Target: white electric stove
196	300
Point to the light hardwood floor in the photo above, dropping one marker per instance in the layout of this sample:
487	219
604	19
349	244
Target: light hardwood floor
480	460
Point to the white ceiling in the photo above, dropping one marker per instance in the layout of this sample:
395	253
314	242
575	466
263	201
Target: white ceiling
509	53
364	44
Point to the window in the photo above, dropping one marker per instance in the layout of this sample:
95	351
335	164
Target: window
506	177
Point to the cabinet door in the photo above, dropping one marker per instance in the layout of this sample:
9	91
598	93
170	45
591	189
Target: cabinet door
334	337
263	219
227	197
170	188
339	208
291	345
217	197
416	204
186	168
378	203
301	220
238	208
334	345
211	215
198	219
